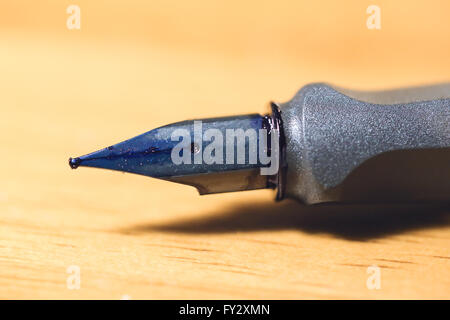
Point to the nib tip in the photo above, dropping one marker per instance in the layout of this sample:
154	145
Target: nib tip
74	162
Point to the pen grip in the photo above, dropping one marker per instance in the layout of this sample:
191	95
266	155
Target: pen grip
347	146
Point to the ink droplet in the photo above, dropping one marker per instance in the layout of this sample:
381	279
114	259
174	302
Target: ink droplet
195	148
74	162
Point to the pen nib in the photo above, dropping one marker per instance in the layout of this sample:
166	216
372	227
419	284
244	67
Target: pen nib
155	152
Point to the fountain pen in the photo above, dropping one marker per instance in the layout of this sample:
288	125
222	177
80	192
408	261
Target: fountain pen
327	144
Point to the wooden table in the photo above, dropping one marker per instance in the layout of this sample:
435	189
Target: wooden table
129	69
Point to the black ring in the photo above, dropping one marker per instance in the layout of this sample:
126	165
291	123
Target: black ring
279	180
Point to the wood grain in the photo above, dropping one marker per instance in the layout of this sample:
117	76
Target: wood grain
65	93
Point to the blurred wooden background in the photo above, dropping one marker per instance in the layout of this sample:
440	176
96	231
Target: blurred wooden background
135	65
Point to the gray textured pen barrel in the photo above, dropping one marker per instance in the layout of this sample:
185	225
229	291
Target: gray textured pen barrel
344	146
